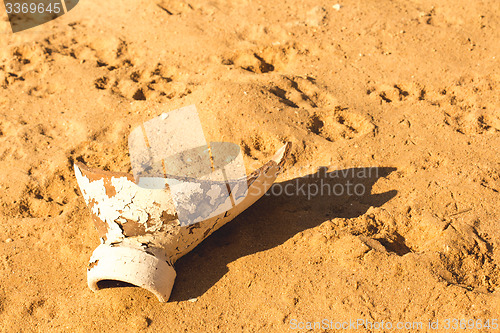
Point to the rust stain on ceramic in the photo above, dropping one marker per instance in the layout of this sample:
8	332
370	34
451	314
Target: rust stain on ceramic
168	218
92	264
192	227
131	228
101	226
94	174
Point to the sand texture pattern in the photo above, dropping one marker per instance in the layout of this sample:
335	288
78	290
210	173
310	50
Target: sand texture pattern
398	97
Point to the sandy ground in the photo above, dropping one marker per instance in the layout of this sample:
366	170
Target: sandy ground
407	88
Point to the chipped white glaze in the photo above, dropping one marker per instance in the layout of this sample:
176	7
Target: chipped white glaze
144	219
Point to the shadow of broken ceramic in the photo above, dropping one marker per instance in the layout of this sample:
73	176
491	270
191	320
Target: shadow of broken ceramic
288	208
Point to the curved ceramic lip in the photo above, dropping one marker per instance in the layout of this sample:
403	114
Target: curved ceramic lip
133	266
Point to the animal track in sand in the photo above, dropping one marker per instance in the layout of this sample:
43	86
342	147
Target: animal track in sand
34	305
43	196
24	67
486	176
175	7
19	140
264	60
339	124
473	123
301	92
457	252
468	105
44	189
397	92
258	146
46	193
143	84
464	256
203	8
326	118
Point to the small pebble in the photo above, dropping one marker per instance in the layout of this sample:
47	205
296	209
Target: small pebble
336	7
8	240
192	300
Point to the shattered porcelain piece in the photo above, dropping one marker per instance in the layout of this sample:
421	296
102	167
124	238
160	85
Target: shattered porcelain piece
142	236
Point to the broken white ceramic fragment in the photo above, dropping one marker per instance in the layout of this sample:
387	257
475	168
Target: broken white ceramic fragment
141	234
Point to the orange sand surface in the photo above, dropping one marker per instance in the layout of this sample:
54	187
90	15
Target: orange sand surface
407	87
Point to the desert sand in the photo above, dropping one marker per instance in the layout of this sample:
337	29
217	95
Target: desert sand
407	90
